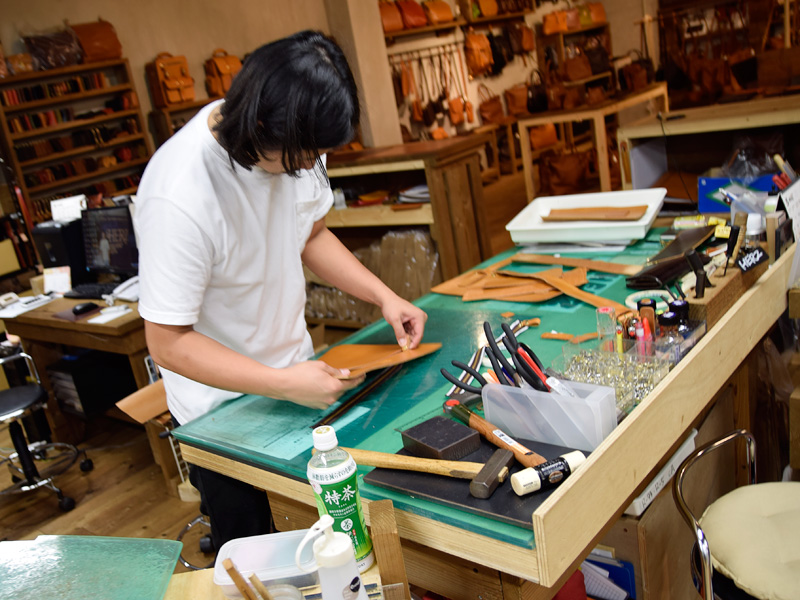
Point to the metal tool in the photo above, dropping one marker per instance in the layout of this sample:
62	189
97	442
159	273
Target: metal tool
485	477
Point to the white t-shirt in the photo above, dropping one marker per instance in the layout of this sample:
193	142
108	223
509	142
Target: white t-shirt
219	249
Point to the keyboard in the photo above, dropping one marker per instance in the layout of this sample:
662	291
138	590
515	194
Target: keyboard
91	291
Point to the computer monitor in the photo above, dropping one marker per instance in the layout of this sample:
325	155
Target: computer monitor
109	241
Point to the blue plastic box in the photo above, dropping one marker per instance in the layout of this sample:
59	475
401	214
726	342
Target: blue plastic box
709	199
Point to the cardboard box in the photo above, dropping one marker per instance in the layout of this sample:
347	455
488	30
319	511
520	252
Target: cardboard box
709	199
8	258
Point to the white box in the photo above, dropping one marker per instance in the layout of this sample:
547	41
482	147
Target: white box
527	227
270	557
580	423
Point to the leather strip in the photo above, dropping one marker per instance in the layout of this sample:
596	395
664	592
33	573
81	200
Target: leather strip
591	265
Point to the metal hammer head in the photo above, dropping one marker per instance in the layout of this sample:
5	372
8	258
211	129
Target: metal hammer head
494	472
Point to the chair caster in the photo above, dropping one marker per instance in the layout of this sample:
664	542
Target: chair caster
66	503
207	544
86	465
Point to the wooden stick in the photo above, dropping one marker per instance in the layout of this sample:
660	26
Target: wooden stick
260	587
448	468
238	580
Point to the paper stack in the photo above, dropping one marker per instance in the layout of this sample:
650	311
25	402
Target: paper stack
418	193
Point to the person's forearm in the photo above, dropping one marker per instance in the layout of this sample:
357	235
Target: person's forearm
328	258
200	358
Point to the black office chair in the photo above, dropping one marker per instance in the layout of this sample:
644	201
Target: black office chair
22	401
738	540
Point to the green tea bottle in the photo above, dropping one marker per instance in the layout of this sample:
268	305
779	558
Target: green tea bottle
332	474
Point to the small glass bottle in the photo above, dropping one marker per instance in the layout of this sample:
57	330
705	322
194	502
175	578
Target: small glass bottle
669	343
755	232
681	308
332	473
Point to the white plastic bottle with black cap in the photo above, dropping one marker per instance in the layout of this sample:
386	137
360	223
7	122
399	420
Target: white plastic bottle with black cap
546	475
333	475
336	562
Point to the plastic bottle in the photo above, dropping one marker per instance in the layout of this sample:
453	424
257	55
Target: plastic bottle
336	562
669	344
332	474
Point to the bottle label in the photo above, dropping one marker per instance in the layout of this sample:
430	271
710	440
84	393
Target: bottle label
336	493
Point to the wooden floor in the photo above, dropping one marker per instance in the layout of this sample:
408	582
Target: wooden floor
123	496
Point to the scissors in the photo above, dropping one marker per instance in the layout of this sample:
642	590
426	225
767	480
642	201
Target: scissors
460	383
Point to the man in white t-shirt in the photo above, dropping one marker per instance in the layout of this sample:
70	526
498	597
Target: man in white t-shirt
227	213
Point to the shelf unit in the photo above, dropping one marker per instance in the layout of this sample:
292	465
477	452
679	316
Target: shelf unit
167	121
72	130
557	43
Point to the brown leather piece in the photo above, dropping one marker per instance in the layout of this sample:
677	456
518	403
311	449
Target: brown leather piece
363	358
596	213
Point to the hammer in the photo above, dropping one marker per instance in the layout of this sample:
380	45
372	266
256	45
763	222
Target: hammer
485	476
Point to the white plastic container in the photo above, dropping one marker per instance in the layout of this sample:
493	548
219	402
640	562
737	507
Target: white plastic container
270	557
580	423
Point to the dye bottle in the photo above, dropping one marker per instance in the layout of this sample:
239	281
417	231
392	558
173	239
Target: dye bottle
332	474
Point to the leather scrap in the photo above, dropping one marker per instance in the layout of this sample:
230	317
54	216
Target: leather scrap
363	358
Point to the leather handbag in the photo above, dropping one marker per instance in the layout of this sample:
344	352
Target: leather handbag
98	40
220	70
489	8
537	93
517	99
554	22
412	13
491	106
543	136
169	80
597	54
437	11
391	18
577	68
597	12
478	53
563	174
573	19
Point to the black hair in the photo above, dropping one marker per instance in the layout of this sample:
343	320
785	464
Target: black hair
295	95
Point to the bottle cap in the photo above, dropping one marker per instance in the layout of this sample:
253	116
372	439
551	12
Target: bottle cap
680	308
668	319
324	438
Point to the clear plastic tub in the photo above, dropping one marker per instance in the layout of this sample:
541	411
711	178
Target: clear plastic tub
270	557
581	423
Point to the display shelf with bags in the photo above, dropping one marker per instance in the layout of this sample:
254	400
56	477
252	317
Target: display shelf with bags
72	130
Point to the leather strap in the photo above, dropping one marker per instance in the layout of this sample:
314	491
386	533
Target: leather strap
591	265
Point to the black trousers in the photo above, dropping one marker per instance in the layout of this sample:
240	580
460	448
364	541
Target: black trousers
235	509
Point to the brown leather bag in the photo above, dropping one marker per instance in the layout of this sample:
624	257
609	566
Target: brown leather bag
169	80
391	18
543	136
437	11
563	174
554	22
517	99
491	106
220	70
478	53
412	13
489	8
578	67
597	12
98	40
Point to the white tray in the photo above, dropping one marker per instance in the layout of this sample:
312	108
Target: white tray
528	226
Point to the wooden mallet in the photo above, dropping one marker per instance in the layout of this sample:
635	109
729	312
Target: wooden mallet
485	477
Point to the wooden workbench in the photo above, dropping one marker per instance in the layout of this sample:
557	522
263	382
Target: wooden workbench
597	115
457	558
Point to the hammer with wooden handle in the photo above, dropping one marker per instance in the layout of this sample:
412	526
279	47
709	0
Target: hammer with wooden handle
485	477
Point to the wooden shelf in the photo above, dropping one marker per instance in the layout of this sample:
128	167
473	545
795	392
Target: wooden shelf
62	72
67	98
427	29
59	156
70	181
381	215
74	124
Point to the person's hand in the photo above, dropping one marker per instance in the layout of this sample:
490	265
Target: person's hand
407	320
315	384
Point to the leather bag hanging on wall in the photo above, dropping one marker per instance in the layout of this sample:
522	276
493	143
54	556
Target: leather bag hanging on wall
469	111
98	40
478	53
412	13
437	11
220	71
537	93
391	18
491	106
169	80
501	53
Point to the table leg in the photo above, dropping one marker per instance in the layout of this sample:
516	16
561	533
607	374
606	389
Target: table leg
527	161
601	145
